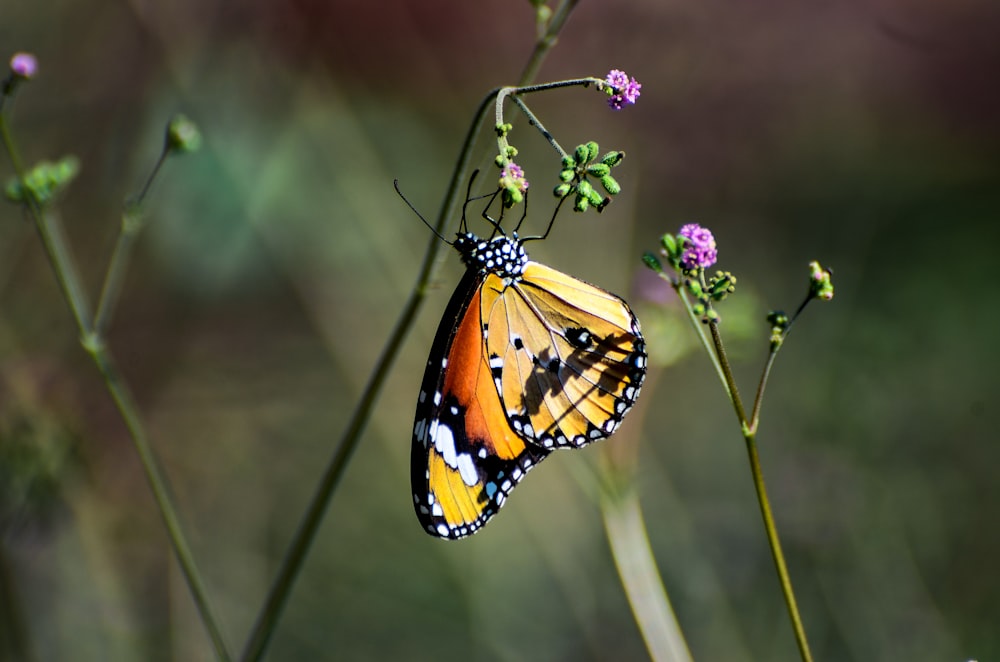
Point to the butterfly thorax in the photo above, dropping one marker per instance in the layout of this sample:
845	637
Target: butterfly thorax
503	256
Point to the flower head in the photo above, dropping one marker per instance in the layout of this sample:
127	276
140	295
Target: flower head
24	65
699	251
512	177
621	89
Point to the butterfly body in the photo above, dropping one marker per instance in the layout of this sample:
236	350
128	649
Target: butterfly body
526	360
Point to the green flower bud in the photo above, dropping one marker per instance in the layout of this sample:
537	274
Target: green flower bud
562	190
592	150
670	246
652	262
581	154
611	185
611	159
568	163
567	175
582	203
596	199
183	135
598	170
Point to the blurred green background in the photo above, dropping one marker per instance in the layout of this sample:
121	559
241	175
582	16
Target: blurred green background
863	134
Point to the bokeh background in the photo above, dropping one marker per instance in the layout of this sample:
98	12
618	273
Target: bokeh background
863	133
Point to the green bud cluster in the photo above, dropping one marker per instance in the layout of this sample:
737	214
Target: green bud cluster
582	166
44	181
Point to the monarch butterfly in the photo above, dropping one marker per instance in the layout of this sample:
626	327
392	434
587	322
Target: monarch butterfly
526	360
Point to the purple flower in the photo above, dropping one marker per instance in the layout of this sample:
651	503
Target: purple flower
621	88
24	65
512	177
699	251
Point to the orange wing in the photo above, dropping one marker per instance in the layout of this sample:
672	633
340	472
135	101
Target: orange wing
465	458
567	357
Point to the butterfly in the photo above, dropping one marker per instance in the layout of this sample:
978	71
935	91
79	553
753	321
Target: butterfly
526	360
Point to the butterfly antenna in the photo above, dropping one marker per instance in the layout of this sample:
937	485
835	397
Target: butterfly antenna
409	204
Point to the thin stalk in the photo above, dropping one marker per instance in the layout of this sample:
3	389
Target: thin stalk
154	473
513	92
699	331
131	224
776	553
58	252
749	435
546	41
734	393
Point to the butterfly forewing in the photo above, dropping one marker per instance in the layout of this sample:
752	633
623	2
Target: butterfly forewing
466	458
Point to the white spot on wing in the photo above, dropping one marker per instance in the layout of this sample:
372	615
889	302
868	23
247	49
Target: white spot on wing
467	469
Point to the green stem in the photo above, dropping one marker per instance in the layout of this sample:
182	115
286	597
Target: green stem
699	331
58	252
131	224
749	434
734	394
154	473
546	41
776	553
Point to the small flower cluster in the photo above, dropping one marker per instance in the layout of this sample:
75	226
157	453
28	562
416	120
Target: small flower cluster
699	249
621	89
690	253
513	183
581	165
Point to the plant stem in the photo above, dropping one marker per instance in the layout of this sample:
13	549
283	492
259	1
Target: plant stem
776	553
546	41
57	249
154	473
131	224
749	431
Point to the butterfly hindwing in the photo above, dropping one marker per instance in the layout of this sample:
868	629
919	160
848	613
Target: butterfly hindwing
466	458
567	357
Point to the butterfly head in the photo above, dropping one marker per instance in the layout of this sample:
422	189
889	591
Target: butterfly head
505	256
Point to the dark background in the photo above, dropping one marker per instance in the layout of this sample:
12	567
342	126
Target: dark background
861	133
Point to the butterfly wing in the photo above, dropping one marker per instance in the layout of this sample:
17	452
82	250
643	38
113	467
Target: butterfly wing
567	357
465	457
